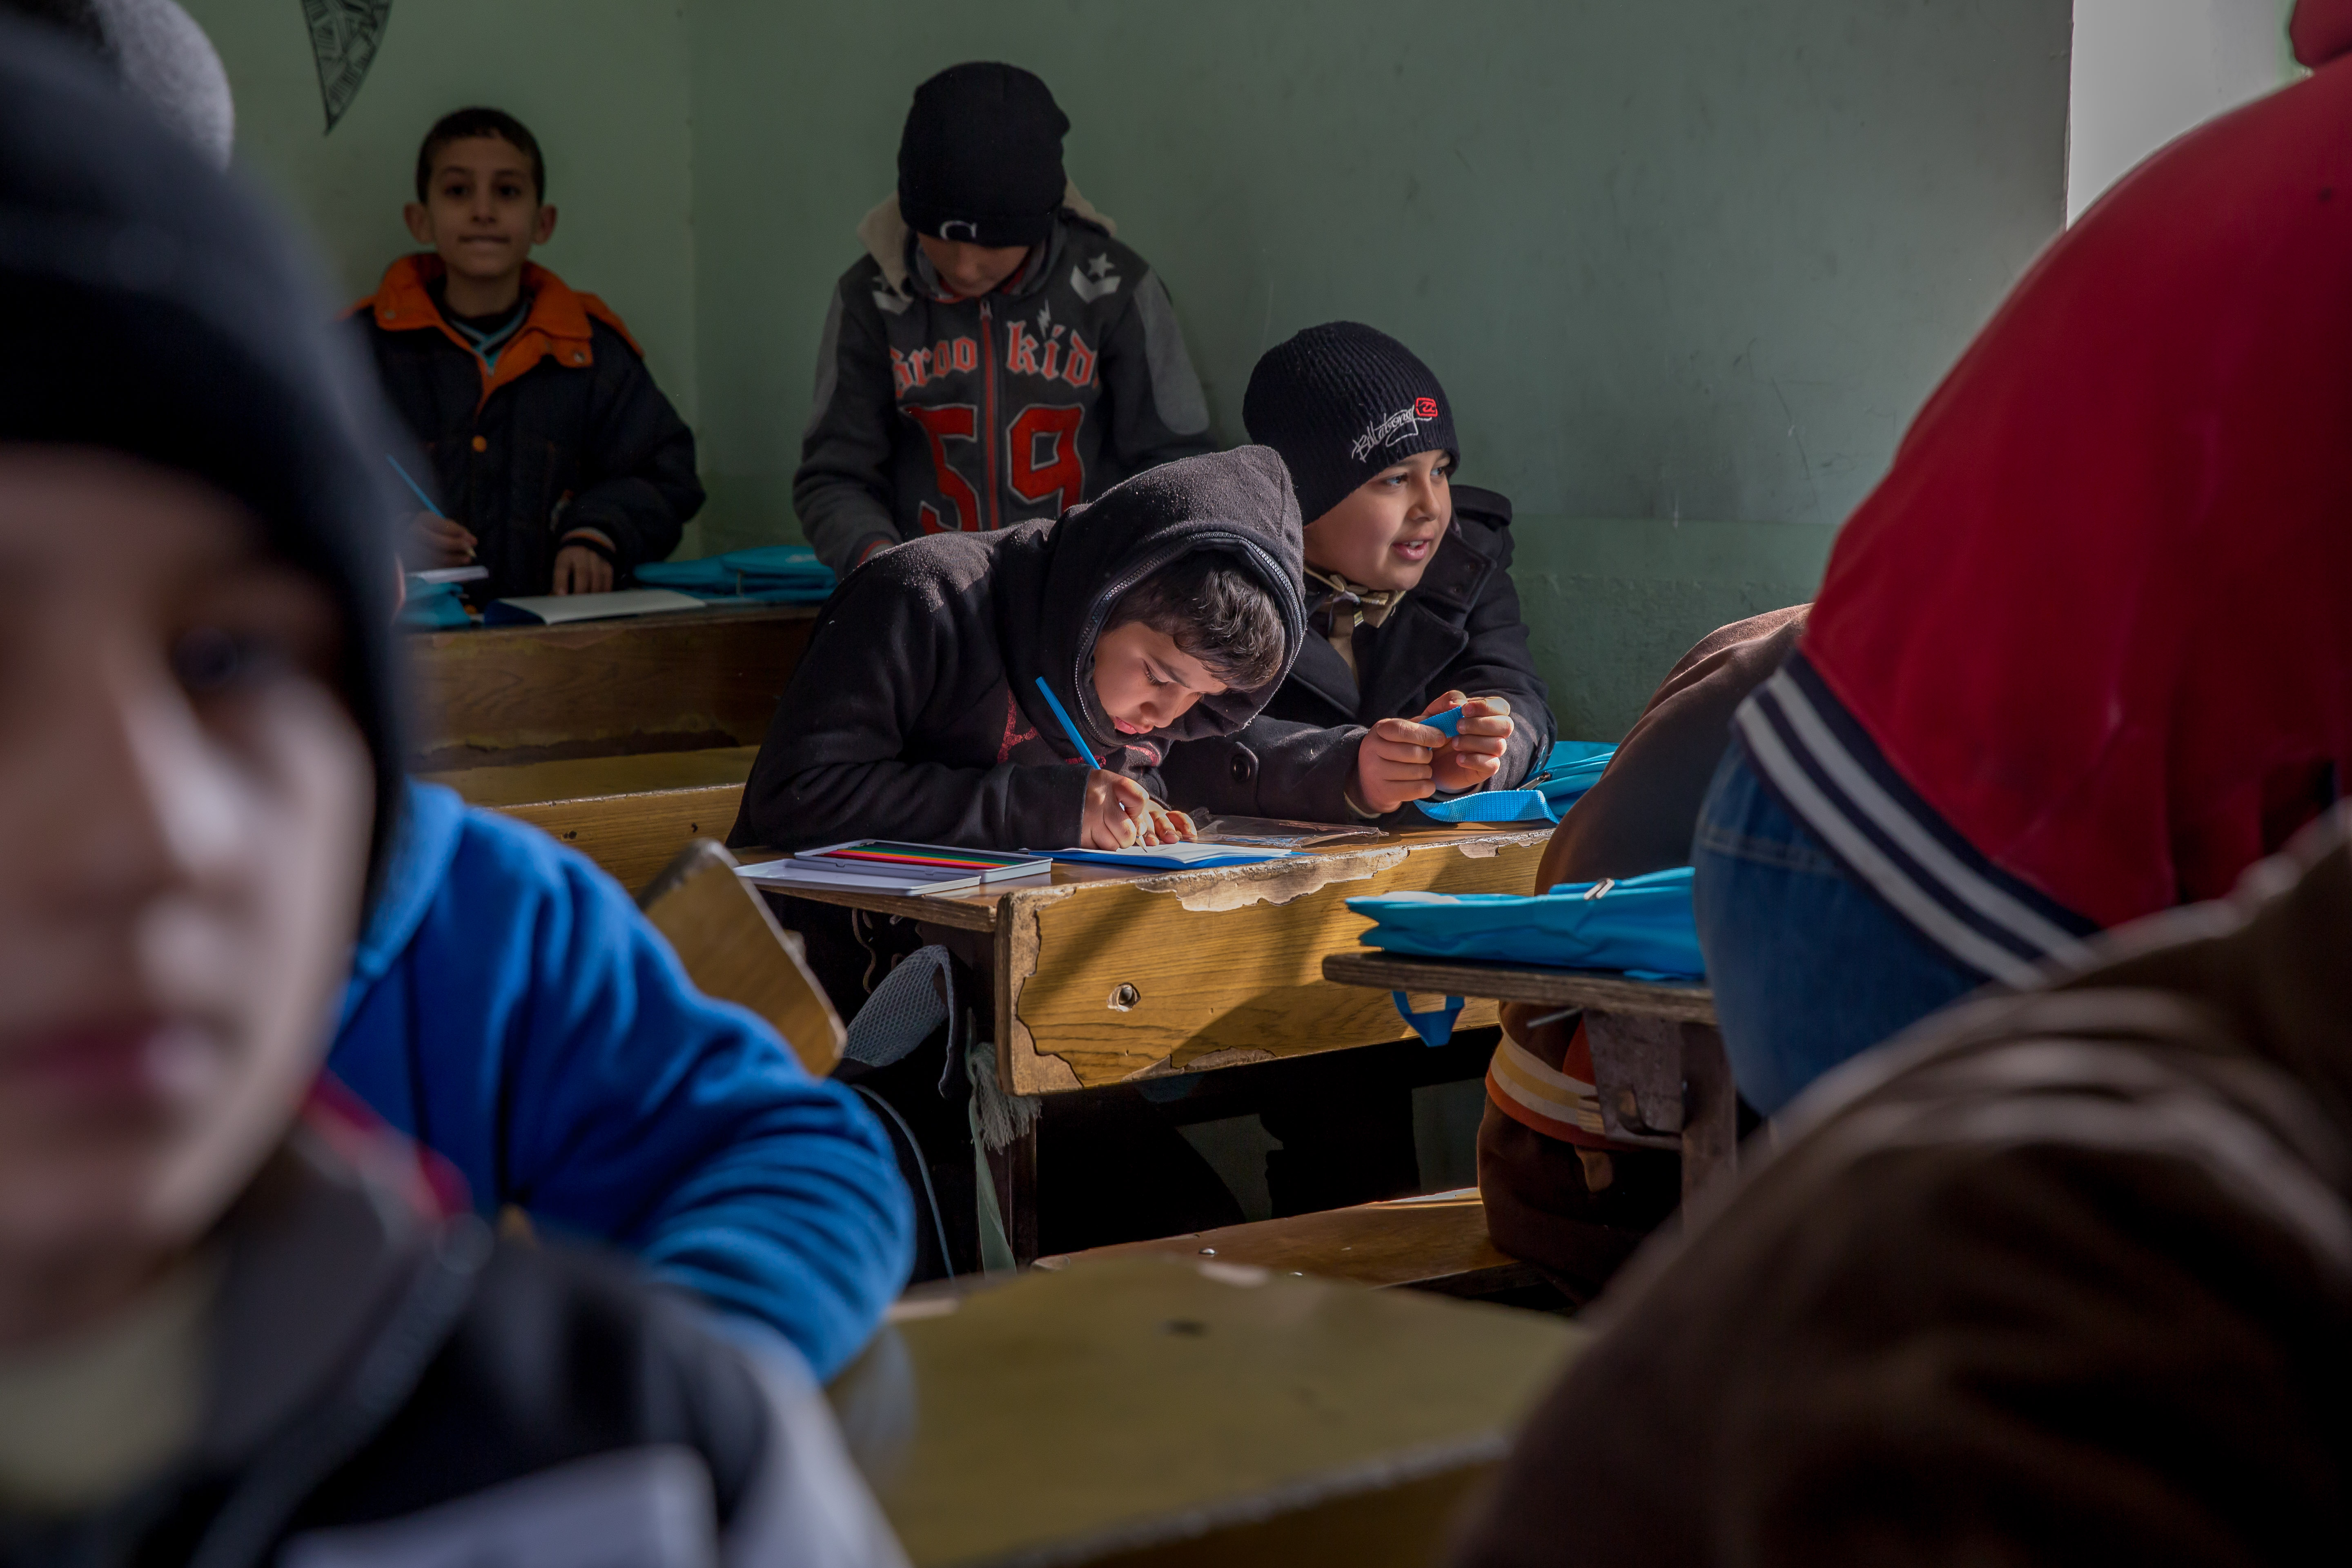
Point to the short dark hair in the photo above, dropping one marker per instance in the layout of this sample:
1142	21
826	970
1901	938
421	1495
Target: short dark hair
466	123
1214	608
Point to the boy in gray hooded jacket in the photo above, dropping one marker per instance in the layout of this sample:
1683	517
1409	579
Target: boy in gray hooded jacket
997	357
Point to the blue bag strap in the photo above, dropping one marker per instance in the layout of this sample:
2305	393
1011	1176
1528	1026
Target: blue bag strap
1434	1027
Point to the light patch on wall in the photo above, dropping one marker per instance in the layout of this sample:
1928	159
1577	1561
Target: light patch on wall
2146	71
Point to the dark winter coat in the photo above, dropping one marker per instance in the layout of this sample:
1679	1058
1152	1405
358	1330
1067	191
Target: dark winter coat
936	414
567	442
391	1386
1639	818
1458	629
2057	1277
914	712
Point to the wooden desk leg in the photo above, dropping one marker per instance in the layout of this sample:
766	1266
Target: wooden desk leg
1015	1169
1710	1116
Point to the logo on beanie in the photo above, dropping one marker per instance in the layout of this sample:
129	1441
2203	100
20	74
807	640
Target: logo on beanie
1394	430
971	229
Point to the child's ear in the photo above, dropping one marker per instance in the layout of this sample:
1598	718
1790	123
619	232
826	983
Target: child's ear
420	222
543	229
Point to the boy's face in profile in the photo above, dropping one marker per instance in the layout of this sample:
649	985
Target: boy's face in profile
184	811
972	271
1144	681
1383	534
481	212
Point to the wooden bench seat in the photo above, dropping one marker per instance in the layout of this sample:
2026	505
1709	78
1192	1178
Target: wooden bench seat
1436	1243
628	814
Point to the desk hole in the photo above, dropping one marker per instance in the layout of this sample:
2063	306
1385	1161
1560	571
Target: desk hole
1125	999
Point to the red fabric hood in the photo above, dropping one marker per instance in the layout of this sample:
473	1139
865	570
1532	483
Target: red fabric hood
2320	30
2097	613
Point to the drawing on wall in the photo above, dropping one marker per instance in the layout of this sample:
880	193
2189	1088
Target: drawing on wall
345	36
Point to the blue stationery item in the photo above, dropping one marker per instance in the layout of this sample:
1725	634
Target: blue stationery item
1573	767
1067	728
1446	723
1642	925
415	486
1172	856
434	606
763	575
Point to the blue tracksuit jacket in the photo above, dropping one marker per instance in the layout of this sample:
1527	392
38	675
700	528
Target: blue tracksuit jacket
510	1008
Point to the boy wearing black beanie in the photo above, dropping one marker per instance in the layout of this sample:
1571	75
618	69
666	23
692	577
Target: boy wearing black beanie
1409	597
997	357
240	1322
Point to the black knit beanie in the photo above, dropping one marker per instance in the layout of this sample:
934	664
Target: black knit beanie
1341	402
981	159
151	305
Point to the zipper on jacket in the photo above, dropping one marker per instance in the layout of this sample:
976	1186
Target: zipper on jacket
988	433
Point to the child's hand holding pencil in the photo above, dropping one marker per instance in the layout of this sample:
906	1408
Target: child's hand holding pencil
1121	813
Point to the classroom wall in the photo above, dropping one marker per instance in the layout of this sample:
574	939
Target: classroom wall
603	83
2144	71
1686	270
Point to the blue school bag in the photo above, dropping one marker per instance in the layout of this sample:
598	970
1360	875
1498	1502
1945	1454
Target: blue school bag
1642	926
765	574
1573	767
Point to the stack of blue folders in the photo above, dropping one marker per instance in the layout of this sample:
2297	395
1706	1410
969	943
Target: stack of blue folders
1642	925
767	575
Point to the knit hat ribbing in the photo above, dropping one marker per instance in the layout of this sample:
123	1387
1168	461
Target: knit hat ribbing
1341	402
981	157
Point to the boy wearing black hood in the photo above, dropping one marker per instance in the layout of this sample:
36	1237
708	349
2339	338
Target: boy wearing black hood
1168	610
239	1323
997	357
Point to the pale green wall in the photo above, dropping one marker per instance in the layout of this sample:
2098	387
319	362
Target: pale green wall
1697	260
602	83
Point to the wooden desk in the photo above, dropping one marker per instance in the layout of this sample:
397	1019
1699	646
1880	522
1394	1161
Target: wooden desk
694	680
1151	1412
628	814
1435	1243
1101	976
1658	1066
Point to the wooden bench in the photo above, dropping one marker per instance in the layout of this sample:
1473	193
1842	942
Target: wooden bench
1436	1243
628	814
486	696
1658	1066
1146	1411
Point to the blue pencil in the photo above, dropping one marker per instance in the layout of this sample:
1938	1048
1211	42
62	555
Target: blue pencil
420	488
1067	728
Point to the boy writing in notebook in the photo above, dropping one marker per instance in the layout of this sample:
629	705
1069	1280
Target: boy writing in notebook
555	460
1168	610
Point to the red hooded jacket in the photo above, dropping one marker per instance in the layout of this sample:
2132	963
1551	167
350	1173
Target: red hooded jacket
2097	619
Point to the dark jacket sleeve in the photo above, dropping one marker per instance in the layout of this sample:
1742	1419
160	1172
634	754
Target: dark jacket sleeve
2024	1355
1157	410
887	668
841	491
1273	768
1497	662
640	455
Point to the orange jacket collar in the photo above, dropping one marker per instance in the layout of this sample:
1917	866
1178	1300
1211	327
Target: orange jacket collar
558	325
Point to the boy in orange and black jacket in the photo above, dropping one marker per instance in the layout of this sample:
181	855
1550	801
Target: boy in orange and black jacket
556	462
